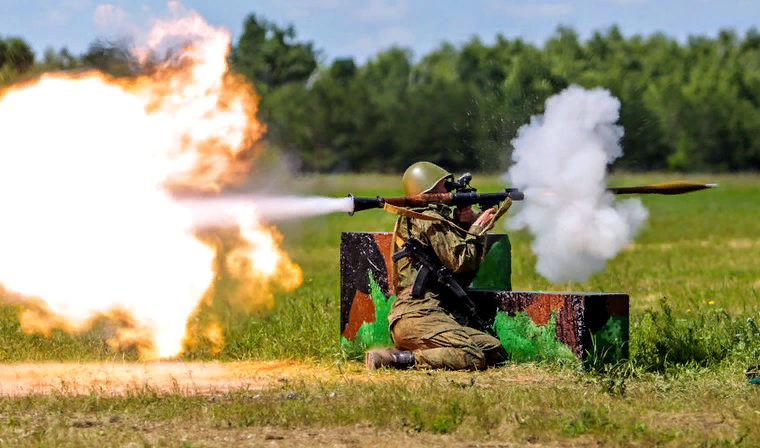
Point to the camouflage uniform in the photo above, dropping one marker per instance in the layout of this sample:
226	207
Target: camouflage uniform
434	327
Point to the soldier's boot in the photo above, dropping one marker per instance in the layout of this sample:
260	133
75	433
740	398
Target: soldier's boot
388	357
753	374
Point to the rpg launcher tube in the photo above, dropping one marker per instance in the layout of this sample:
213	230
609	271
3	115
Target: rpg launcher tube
423	200
492	199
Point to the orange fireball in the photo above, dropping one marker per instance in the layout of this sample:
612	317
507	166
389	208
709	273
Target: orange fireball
88	168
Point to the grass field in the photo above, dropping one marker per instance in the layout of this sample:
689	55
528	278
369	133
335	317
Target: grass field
693	275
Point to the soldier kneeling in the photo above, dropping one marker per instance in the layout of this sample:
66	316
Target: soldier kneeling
427	327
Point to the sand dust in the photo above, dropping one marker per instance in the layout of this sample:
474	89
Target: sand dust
167	376
114	378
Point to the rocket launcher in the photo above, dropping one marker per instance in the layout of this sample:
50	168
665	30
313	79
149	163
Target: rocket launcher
464	195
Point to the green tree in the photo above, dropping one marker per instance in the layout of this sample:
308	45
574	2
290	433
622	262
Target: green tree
19	54
113	57
3	52
16	59
685	107
270	55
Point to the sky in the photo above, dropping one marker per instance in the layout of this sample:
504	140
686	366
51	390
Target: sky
361	28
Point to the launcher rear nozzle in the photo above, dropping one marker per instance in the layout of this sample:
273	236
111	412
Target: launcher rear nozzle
365	203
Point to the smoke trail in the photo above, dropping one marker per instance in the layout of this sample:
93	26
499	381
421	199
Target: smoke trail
223	211
560	163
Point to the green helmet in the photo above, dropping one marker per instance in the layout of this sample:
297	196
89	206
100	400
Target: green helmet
422	177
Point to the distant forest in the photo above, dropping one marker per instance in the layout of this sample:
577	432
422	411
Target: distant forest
692	106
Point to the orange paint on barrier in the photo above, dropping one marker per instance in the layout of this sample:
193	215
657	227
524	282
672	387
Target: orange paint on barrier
541	310
362	310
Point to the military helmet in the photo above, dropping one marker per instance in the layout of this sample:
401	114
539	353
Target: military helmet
422	177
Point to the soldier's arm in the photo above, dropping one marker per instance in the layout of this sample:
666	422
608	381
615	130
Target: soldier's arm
458	253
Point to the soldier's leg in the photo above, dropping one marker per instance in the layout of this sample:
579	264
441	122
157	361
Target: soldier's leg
491	346
438	342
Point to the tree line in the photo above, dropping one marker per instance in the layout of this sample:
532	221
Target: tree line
692	106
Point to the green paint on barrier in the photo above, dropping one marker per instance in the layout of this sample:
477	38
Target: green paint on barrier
371	334
496	270
526	341
610	343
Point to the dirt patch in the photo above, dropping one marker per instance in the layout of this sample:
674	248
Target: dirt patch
715	424
210	377
135	432
168	376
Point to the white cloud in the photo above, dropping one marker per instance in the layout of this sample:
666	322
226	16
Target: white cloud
384	38
529	10
326	4
365	45
297	13
306	4
108	16
75	4
383	10
297	9
395	35
62	14
57	17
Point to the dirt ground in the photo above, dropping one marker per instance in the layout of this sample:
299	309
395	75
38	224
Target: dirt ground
340	437
192	378
112	378
165	376
115	428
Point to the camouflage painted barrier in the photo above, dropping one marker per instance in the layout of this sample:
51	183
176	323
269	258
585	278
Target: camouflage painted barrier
532	325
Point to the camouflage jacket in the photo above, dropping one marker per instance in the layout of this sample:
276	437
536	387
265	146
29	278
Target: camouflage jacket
459	250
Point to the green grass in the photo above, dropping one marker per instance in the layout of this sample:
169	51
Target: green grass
693	276
533	404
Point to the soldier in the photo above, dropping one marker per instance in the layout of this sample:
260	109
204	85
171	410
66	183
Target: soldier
431	331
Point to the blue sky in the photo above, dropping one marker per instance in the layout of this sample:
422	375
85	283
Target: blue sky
360	28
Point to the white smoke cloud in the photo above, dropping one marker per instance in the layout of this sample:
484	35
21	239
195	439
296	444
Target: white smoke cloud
561	159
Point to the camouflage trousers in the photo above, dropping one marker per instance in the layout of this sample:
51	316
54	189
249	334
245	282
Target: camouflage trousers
440	342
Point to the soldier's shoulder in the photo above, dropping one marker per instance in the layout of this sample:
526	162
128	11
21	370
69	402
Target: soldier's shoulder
440	213
431	211
439	216
444	212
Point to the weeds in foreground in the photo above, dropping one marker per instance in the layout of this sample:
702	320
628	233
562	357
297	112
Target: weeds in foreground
673	347
663	342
